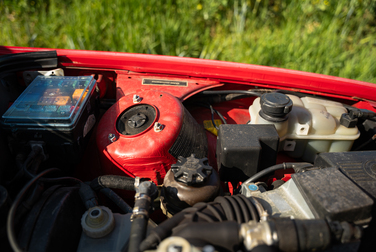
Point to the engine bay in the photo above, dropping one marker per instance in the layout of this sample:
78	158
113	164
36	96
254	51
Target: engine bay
101	159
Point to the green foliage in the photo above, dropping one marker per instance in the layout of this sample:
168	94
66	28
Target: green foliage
330	37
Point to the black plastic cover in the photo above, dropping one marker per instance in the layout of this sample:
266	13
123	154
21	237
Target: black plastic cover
347	121
358	166
243	150
330	194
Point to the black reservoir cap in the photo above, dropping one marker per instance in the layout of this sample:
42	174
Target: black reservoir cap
191	170
275	107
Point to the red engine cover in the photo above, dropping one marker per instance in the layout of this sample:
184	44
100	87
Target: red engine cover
145	154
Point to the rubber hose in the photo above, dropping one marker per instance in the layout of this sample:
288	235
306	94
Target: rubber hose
273	168
145	195
236	209
117	200
220	210
243	207
114	182
162	231
252	208
138	227
222	234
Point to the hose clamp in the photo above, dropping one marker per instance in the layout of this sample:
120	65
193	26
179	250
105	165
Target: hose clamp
139	196
139	212
137	181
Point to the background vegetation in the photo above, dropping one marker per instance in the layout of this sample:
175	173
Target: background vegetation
322	36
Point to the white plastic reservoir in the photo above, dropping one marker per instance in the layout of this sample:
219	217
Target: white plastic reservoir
312	126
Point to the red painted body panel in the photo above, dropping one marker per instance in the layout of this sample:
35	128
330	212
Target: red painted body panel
218	70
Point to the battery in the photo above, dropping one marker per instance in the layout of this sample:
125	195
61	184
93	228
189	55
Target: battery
57	111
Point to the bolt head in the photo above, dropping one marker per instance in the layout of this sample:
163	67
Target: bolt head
158	127
112	137
136	99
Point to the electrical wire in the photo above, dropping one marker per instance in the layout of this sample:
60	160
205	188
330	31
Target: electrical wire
275	168
117	200
12	212
366	143
212	111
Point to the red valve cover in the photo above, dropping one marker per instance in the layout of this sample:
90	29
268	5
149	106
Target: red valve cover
145	154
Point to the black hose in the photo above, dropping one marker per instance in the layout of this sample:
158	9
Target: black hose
163	230
117	200
220	234
114	182
244	209
88	196
251	207
276	167
12	212
138	233
236	208
246	92
145	195
227	208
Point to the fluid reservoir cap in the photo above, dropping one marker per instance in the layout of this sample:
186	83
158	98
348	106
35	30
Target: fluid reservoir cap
191	170
97	222
275	107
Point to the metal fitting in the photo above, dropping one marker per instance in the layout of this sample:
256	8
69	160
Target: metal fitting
136	99
112	137
139	196
139	212
261	233
158	127
137	181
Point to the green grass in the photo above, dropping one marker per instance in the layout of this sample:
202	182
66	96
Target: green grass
329	37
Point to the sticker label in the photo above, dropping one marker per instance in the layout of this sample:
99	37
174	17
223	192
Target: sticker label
164	82
208	125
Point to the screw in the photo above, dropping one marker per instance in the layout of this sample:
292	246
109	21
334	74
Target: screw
112	137
158	127
136	99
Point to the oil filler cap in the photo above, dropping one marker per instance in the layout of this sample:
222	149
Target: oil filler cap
191	170
275	107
